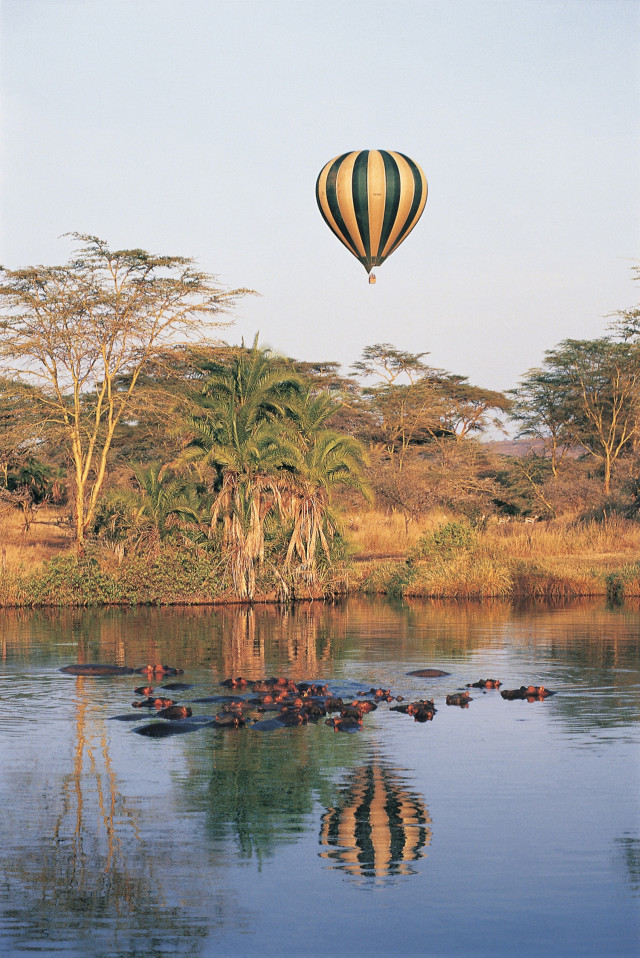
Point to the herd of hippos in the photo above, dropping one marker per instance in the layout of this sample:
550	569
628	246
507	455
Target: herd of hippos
291	703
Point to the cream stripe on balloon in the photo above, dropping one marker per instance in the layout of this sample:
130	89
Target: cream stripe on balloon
344	193
326	208
377	197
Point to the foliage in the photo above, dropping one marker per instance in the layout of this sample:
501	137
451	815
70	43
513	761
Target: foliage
603	384
239	446
246	488
623	582
20	430
587	394
160	507
171	575
84	332
260	444
413	404
542	409
389	364
447	541
72	581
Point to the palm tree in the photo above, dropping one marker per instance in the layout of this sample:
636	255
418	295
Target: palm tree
331	459
242	445
253	388
160	507
260	444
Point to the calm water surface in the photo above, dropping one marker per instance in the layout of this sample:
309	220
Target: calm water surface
504	828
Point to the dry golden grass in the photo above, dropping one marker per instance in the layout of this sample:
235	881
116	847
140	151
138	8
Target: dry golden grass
608	542
373	532
48	536
563	557
557	559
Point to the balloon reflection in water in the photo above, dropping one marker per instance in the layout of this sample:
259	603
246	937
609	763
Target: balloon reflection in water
378	827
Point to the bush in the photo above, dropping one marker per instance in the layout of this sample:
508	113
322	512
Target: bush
71	581
623	583
172	575
449	540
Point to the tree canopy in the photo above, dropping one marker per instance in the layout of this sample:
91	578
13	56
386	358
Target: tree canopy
84	332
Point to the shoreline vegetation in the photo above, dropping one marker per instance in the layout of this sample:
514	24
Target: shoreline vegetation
144	462
439	557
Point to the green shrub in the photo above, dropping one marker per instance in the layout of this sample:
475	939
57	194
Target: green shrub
623	583
449	540
70	581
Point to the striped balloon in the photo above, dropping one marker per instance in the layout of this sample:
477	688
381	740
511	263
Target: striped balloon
371	199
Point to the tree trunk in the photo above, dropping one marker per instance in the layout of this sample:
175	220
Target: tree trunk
607	474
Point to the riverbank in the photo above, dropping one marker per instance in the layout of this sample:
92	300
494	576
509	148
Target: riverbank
439	557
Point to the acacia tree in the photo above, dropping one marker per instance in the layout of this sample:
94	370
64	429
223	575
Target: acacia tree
598	382
413	403
406	414
84	333
19	434
542	407
626	325
390	364
470	408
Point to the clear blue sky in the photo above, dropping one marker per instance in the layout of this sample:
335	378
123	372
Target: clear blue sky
198	127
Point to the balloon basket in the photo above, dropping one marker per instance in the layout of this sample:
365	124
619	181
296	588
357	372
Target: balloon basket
372	279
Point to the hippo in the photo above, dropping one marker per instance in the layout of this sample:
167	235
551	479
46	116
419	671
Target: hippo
274	697
291	716
312	688
384	694
529	692
364	706
237	683
428	673
164	729
423	715
266	725
231	716
96	669
485	684
158	670
422	711
175	712
228	720
459	698
333	704
346	724
151	703
349	712
144	690
275	685
314	711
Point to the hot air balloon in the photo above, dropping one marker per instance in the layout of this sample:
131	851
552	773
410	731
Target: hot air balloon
371	199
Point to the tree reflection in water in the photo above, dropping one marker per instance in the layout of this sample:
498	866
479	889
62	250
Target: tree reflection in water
77	840
378	827
263	788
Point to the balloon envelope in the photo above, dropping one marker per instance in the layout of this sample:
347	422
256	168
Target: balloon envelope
371	199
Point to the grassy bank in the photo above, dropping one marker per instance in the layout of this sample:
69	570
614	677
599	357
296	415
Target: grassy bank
561	558
440	557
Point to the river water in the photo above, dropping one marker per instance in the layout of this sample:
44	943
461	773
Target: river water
508	827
